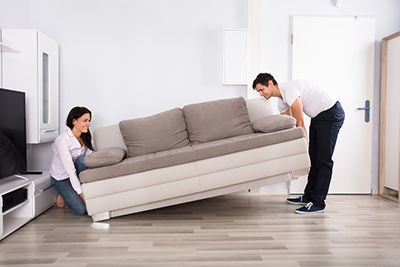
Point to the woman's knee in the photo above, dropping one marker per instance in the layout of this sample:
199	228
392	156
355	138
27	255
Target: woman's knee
79	209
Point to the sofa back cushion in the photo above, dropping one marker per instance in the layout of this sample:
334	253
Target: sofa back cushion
214	120
163	131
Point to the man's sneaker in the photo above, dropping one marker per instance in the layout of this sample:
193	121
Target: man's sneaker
309	208
297	201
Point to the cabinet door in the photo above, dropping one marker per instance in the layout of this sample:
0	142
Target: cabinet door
25	70
48	84
20	73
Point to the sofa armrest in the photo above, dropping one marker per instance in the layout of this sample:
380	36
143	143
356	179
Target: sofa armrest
260	107
105	157
108	136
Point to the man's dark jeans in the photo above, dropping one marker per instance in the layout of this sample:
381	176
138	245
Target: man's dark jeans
324	130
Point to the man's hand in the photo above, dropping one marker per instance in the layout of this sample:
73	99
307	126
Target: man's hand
297	113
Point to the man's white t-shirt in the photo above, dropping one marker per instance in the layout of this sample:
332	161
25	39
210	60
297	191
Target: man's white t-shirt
313	97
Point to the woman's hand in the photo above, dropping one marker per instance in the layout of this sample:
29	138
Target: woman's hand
83	198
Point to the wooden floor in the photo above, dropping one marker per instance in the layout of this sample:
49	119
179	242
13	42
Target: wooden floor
234	230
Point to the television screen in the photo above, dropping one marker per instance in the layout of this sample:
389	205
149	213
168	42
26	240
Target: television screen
12	133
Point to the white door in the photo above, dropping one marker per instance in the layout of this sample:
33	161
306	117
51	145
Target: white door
338	53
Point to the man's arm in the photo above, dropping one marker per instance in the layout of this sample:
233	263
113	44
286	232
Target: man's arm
297	113
287	112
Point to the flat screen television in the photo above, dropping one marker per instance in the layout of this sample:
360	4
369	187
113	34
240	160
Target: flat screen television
12	133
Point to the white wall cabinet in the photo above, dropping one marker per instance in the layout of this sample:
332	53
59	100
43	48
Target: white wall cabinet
34	69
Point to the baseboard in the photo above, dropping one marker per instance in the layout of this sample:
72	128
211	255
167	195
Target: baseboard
264	191
282	191
274	191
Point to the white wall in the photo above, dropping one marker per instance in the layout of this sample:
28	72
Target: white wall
276	29
131	58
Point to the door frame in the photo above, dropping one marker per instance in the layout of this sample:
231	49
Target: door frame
384	191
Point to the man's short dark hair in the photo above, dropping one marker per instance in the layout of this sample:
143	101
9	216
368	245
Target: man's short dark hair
263	79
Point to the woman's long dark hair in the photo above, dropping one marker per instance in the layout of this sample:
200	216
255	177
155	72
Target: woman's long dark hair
76	113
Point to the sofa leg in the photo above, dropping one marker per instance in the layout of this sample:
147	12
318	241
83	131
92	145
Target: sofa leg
101	216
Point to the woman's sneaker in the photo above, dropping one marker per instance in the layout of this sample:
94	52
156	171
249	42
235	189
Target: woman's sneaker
297	201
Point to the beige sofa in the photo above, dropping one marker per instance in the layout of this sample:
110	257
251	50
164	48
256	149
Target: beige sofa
200	151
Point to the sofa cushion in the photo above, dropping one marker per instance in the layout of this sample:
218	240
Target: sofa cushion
163	131
190	153
273	123
215	120
105	157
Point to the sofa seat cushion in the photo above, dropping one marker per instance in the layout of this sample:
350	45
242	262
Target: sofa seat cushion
215	120
190	153
160	132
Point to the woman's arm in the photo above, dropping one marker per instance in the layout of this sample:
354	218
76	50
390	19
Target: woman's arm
62	147
83	198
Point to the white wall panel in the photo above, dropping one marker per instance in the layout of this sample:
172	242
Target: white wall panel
234	56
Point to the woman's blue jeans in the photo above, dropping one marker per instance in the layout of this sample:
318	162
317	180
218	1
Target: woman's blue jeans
64	188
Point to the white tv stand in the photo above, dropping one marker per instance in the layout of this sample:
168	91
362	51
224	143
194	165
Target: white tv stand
41	195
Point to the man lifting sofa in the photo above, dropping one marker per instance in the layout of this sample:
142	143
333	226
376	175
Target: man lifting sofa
180	155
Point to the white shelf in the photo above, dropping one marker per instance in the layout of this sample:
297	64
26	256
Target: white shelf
16	207
12	183
41	195
10	223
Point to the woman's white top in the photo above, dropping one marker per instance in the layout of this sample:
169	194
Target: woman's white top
313	97
66	148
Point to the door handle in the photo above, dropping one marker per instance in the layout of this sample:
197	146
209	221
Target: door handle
367	109
49	130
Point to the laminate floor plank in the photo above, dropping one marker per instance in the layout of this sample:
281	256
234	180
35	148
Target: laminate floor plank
232	230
